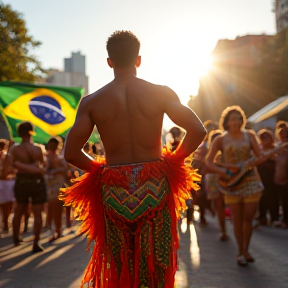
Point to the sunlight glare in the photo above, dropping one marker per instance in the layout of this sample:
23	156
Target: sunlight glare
194	248
178	61
183	225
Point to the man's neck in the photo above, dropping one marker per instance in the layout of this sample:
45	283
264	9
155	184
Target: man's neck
125	72
26	140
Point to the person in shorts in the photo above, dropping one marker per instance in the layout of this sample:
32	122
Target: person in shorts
28	159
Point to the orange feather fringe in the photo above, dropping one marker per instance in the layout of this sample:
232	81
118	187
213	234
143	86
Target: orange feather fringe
86	200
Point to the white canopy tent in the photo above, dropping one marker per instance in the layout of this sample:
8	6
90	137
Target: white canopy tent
270	114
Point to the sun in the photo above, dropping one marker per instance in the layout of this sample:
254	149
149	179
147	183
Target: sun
178	62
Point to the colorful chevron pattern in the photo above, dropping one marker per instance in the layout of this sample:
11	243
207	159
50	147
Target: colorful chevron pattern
140	197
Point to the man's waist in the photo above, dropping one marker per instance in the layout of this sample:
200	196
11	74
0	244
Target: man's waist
132	164
28	177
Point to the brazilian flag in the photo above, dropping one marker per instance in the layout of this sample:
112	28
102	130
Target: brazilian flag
50	109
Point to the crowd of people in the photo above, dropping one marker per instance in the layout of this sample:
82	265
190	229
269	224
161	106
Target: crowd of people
264	194
31	176
244	174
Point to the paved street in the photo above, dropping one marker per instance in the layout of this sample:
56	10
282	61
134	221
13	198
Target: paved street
204	261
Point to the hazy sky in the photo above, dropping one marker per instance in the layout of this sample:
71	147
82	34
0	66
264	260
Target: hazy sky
177	36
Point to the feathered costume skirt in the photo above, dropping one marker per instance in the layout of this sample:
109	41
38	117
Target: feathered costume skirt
130	212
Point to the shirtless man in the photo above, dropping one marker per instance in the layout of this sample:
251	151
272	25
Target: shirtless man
130	109
28	159
281	175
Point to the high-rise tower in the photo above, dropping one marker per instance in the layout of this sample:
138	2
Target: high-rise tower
74	73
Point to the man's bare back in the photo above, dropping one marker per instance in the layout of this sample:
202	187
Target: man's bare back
25	153
128	113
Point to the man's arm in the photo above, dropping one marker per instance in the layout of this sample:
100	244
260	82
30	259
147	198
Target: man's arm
8	162
186	119
35	167
78	136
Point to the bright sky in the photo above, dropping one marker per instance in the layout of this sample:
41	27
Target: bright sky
177	36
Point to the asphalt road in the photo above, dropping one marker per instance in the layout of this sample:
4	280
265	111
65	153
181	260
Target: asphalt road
204	261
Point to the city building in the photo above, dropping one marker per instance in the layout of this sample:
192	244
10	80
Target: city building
281	14
74	74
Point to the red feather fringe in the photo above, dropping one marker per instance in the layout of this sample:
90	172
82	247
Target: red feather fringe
85	198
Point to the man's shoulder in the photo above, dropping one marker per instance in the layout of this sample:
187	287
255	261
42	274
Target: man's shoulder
13	148
37	148
142	85
157	87
98	92
148	83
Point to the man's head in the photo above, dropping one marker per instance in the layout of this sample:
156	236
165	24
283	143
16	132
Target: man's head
213	134
210	126
123	49
52	144
25	129
266	138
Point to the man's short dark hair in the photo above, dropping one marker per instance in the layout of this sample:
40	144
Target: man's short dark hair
123	48
25	129
53	140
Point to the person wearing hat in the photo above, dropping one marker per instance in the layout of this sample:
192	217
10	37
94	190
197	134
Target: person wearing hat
28	159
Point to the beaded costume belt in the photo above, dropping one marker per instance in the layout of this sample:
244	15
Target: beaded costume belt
139	196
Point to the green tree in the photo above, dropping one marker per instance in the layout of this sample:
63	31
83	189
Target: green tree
16	62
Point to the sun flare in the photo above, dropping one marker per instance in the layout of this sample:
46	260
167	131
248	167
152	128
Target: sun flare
178	61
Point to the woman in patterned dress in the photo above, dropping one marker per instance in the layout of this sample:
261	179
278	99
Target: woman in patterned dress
238	145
